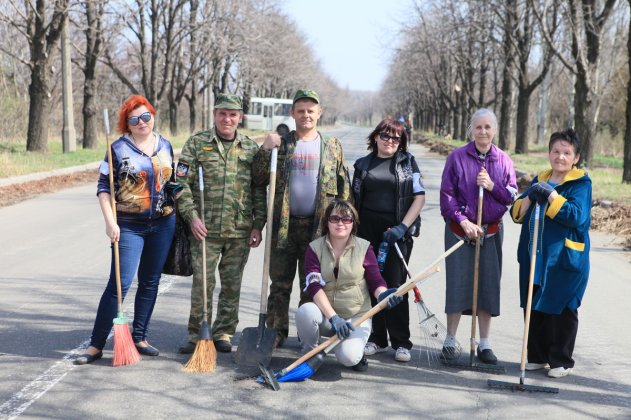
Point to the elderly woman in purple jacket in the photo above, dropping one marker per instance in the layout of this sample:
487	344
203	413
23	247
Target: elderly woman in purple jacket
477	164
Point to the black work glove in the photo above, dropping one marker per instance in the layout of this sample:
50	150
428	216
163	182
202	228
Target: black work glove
341	327
394	234
533	195
544	189
392	299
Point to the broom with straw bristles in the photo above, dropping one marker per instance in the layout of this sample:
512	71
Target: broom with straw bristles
204	358
125	352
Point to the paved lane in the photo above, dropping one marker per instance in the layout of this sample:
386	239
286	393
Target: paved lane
54	262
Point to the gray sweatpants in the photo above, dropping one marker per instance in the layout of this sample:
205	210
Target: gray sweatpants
311	325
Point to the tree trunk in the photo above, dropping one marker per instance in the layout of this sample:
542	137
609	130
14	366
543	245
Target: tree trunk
37	134
584	117
626	172
522	126
173	117
506	110
89	110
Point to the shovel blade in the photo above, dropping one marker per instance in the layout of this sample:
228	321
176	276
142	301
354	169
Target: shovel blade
256	346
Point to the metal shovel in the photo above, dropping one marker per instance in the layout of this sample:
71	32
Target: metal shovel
257	343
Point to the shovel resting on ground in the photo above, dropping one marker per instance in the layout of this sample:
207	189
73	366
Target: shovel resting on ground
257	343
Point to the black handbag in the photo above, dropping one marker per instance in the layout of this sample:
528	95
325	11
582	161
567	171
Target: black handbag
179	262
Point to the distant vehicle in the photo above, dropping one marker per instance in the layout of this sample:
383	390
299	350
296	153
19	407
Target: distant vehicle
270	114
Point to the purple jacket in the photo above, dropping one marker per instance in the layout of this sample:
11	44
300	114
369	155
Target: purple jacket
459	192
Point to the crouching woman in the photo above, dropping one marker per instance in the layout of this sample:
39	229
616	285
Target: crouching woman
342	273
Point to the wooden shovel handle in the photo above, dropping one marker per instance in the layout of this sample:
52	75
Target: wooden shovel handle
268	230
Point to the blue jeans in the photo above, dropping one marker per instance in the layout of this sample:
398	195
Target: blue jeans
143	247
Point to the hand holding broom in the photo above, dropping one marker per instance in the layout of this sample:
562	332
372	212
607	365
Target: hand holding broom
204	358
125	352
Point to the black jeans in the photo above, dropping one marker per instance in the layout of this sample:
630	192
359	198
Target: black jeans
393	322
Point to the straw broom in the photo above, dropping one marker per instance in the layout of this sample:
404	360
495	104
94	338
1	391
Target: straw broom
125	352
204	358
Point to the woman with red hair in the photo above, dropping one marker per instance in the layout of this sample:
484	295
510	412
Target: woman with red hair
142	162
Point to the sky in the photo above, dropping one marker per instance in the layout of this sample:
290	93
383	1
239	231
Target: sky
352	38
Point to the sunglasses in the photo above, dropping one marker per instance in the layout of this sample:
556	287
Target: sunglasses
387	137
347	220
134	121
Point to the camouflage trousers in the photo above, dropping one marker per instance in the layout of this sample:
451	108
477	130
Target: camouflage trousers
282	272
229	256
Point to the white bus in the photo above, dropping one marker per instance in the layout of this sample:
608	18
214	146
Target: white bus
269	114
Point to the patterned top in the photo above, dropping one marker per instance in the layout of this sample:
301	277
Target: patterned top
139	180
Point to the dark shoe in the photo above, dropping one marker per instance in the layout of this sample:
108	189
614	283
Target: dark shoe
449	353
487	356
362	366
86	358
148	350
187	348
223	346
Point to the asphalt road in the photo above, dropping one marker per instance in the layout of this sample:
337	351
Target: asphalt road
55	261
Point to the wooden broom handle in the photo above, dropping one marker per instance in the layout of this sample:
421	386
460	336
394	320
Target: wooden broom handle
117	268
476	272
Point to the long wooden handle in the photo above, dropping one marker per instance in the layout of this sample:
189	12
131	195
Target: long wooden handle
200	176
417	293
531	281
117	267
476	274
402	290
268	230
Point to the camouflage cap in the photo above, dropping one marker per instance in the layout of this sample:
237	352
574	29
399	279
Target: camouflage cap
228	101
307	94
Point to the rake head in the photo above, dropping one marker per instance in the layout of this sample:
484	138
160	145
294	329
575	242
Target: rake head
433	335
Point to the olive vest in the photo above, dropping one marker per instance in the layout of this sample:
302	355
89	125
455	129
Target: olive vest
348	294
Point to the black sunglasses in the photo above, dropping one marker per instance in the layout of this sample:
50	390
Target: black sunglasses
134	121
387	137
347	220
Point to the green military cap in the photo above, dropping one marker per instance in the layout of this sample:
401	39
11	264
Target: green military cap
307	94
228	101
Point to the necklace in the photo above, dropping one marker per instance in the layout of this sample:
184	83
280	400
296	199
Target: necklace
144	149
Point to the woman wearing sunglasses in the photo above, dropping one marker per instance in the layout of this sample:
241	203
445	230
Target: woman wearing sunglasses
389	196
342	275
142	162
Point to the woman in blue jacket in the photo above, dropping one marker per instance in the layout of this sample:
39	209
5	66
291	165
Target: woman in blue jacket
564	194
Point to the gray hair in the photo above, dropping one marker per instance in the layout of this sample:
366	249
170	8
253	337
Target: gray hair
482	112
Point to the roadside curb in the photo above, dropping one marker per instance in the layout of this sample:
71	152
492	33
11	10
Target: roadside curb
43	175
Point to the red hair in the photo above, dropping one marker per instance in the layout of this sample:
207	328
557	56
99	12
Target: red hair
128	106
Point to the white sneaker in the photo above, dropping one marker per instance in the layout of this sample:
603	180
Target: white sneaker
402	355
371	348
536	366
559	372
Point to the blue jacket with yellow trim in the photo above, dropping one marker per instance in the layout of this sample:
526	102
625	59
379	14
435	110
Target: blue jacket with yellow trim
563	245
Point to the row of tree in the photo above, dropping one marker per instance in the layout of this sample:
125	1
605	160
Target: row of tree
569	56
177	53
537	63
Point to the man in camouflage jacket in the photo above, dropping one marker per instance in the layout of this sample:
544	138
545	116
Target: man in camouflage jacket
234	214
311	173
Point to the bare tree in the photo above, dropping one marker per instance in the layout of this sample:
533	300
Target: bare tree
525	37
41	24
586	25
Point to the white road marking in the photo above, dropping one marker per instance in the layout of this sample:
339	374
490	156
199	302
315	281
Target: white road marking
23	399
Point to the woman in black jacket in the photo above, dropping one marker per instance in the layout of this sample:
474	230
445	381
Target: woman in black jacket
389	196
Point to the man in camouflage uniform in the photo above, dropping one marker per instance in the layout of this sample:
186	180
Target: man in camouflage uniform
311	173
234	214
